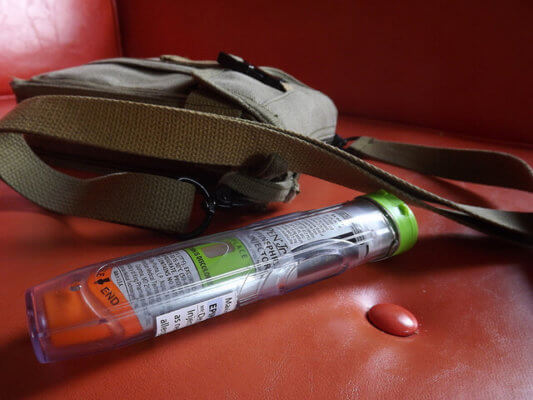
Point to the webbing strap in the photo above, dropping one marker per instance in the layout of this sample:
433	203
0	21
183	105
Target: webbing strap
129	198
478	166
196	137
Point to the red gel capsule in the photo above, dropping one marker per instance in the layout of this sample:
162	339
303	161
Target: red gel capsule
393	319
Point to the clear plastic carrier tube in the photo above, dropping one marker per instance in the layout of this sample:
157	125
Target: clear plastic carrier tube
122	301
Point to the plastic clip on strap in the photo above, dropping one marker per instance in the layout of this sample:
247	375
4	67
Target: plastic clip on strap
78	119
238	64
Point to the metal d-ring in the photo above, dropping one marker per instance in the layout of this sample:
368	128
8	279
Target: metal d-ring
208	204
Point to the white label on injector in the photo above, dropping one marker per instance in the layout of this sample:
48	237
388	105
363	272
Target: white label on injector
195	313
157	287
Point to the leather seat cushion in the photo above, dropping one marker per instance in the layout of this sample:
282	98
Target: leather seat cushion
470	293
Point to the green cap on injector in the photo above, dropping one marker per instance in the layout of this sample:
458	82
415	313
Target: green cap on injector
402	216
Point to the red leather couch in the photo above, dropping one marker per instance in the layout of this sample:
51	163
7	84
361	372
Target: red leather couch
446	73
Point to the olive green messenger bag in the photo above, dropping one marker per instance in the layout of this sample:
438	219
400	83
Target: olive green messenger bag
159	130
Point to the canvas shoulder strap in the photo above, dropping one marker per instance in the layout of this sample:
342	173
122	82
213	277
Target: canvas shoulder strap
197	137
478	166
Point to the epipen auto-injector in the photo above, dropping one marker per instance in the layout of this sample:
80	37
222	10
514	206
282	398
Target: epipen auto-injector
126	300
